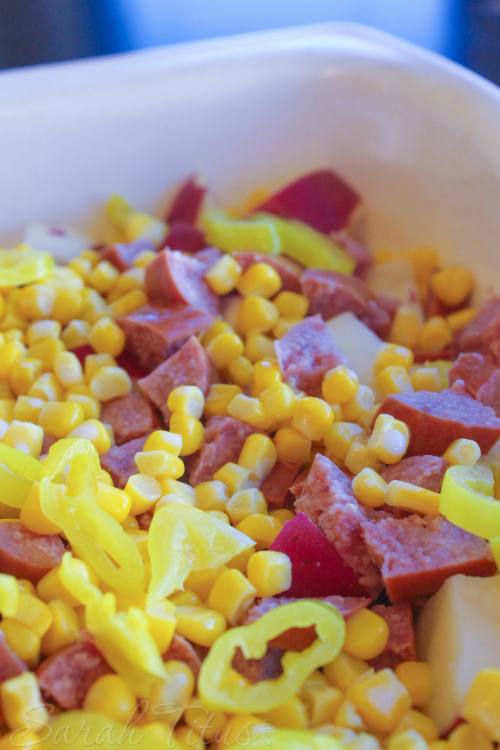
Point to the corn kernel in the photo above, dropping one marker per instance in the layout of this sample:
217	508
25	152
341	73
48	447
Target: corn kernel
425	261
109	383
60	418
187	737
452	285
68	369
162	440
381	699
407	740
199	625
345	670
114	501
129	303
244	502
360	458
341	436
291	304
240	561
312	417
256	314
130	524
22	702
186	597
32	515
161	621
416	677
191	431
25	437
259	346
102	277
110	696
36	301
63	630
47	387
265	374
76	334
212	495
22	640
201	582
366	635
240	371
359	404
322	701
144	491
292	445
259	455
95	431
394	379
283	514
406	326
426	379
435	334
410	497
391	355
23	374
51	587
462	452
159	464
292	714
347	716
94	362
223	276
208	723
6	392
250	410
269	572
389	439
216	329
339	385
259	280
91	406
418	722
93	305
262	528
182	489
224	349
466	737
481	704
460	319
187	399
279	401
107	337
10	353
46	351
284	325
369	488
231	595
7	407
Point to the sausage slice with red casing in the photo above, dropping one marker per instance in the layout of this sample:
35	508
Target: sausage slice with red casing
24	554
276	487
402	645
174	276
67	675
482	335
435	420
154	333
423	471
480	377
130	416
305	353
189	365
416	555
223	441
181	649
119	461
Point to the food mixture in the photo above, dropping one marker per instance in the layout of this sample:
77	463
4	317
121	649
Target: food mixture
249	484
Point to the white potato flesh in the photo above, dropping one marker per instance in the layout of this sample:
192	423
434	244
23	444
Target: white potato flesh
395	279
458	634
359	345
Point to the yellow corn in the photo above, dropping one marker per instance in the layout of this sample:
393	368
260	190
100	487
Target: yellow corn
68	369
46	351
240	371
339	385
283	514
224	349
462	452
50	587
269	572
391	355
236	478
218	399
159	464
22	702
7	409
94	362
212	495
10	353
129	303
347	716
114	501
292	714
361	403
191	431
63	629
240	562
279	401
187	737
312	417
187	399
223	276
47	387
291	304
186	597
202	581
110	382
107	337
406	327
25	437
435	334
259	346
481	704
466	737
22	640
110	696
216	329
256	314
366	635
95	431
220	515
249	410
407	740
23	374
262	528
32	515
42	329
199	625
452	285
341	436
259	280
102	277
416	677
60	418
231	595
426	379
161	621
418	722
425	261
76	333
359	458
36	301
389	439
130	524
93	305
284	325
244	502
381	700
144	491
369	488
91	407
460	319
345	670
208	723
162	440
265	374
410	497
292	445
259	455
168	486
394	379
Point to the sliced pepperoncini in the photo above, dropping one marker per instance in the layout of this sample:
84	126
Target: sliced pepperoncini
467	500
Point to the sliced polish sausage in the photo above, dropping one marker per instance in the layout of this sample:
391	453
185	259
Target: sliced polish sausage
224	439
130	417
174	276
24	554
67	675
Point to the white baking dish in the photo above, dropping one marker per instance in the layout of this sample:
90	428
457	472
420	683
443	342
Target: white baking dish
417	136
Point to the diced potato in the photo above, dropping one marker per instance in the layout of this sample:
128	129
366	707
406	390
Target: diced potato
359	345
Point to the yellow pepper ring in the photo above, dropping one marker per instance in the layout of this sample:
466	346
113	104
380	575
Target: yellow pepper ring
18	471
20	267
221	692
467	500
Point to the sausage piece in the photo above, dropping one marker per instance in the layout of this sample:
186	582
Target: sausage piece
130	417
122	254
256	670
435	420
276	487
187	202
416	555
481	378
185	237
423	471
155	333
402	645
224	439
482	335
119	461
182	650
67	675
190	365
10	664
174	276
24	554
305	353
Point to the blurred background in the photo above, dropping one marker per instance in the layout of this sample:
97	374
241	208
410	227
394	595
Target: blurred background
38	31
